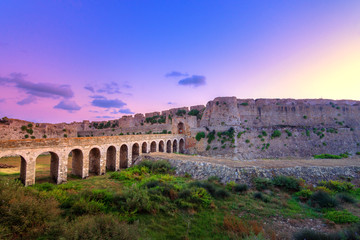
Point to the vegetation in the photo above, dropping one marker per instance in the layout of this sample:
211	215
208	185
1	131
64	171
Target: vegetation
199	136
137	202
330	156
180	112
276	134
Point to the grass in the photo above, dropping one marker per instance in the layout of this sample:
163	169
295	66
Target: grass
152	203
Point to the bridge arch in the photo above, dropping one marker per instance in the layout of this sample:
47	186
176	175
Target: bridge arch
153	146
181	146
94	160
77	162
161	146
124	156
54	166
135	152
168	146
111	158
144	147
175	146
23	165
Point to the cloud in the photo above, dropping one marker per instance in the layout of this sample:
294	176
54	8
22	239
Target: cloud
176	74
45	90
89	88
126	111
110	88
194	80
68	105
171	103
28	100
2	100
97	97
108	103
104	117
127	85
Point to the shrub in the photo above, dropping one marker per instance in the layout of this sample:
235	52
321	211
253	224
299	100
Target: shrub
160	166
99	227
32	137
30	125
304	194
286	183
276	134
262	183
194	112
357	153
260	196
344	197
240	188
26	136
137	199
65	135
199	136
288	133
211	136
213	179
264	133
221	193
305	117
341	217
208	147
314	235
30	131
322	199
23	128
44	136
24	213
247	141
180	112
244	104
337	186
242	229
327	156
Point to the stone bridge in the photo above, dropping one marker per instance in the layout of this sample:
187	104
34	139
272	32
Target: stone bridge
89	154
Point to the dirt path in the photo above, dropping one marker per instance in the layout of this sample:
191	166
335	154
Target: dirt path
264	163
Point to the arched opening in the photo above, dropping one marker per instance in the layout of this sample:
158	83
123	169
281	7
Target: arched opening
76	161
181	128
175	146
111	159
161	146
12	166
135	151
144	147
47	162
153	146
124	156
168	146
94	161
181	146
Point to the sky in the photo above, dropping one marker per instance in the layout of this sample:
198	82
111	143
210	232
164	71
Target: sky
64	61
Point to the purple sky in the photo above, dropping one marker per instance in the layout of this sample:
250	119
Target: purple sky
63	61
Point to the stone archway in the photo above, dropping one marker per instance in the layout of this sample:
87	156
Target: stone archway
77	162
94	161
153	146
161	146
135	152
175	146
181	146
124	156
168	146
181	128
22	168
54	167
144	147
111	158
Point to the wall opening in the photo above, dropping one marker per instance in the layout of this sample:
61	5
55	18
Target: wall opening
14	166
181	146
111	159
124	156
175	146
47	162
144	147
135	152
94	161
181	128
153	146
168	146
76	159
161	146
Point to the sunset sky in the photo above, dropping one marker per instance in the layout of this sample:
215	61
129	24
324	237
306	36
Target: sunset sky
64	61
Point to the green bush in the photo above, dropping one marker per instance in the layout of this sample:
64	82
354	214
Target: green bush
208	147
344	197
137	199
322	199
264	133
180	112
211	136
23	128
26	136
304	194
308	234
30	125
357	153
240	188
337	186
260	196
341	217
99	227
244	104
327	156
287	183
262	183
276	134
160	166
288	133
30	131
199	136
305	117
